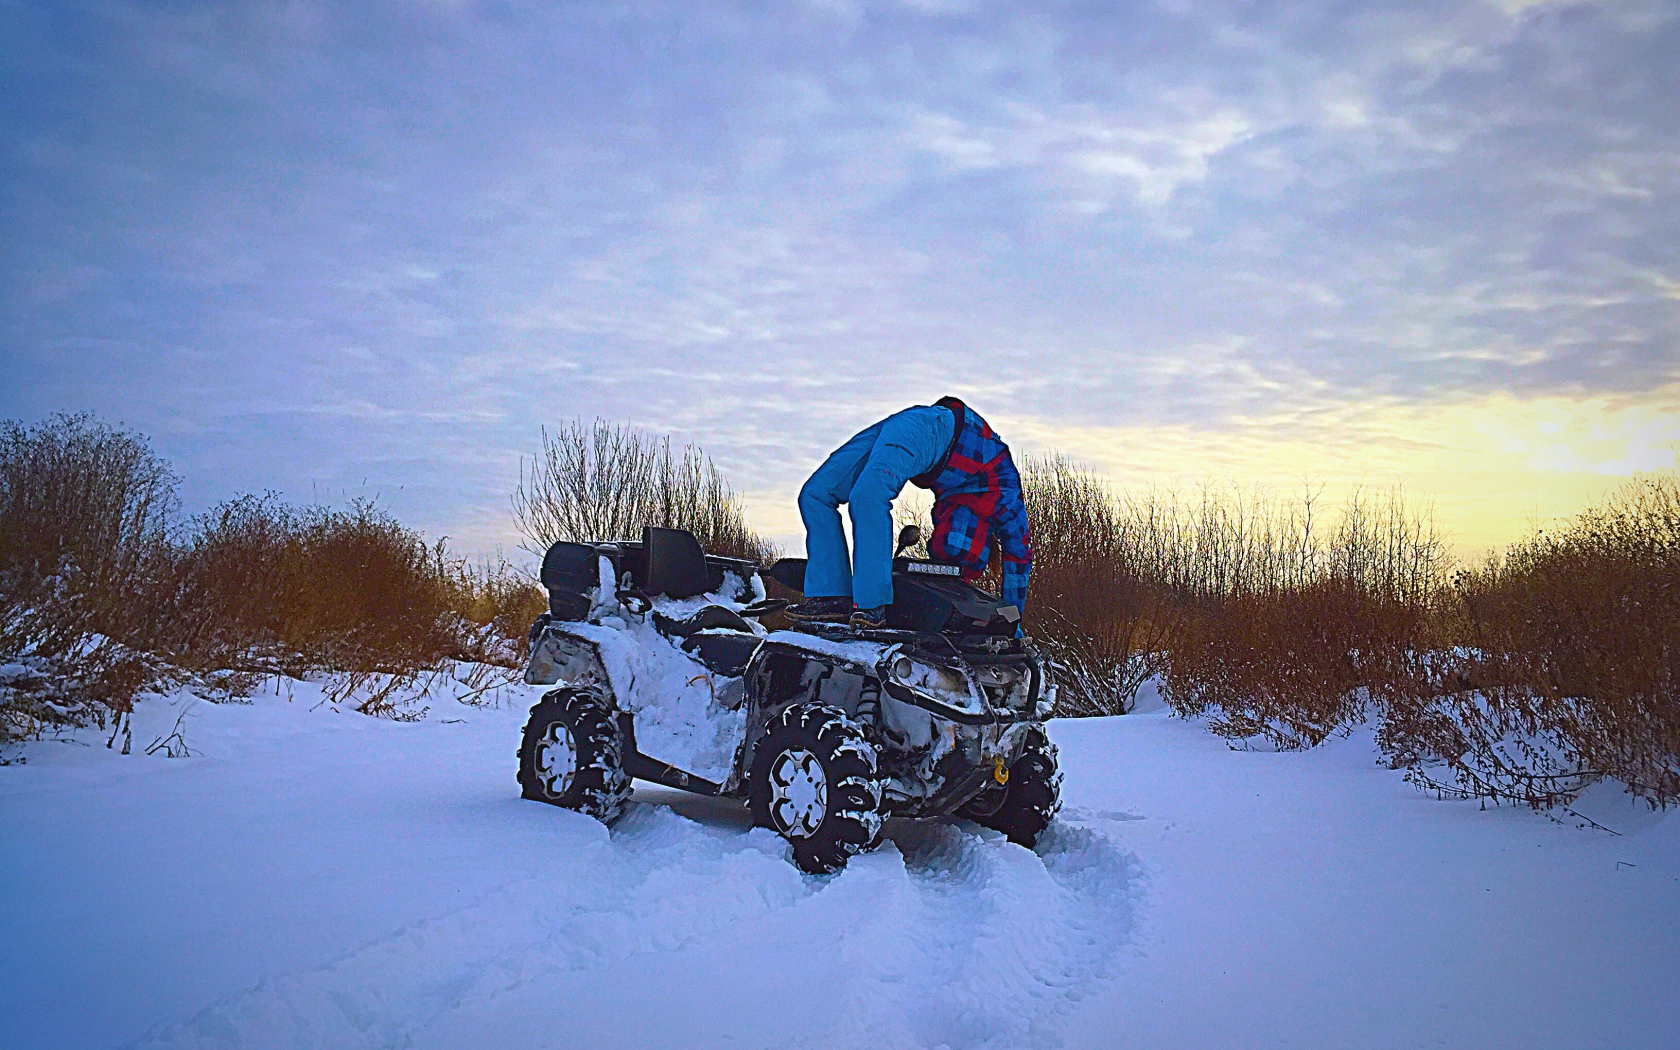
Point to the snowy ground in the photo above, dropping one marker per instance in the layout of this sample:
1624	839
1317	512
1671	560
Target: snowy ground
323	879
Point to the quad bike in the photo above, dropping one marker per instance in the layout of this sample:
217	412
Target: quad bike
664	671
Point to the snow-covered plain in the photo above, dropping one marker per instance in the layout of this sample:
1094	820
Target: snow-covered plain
317	878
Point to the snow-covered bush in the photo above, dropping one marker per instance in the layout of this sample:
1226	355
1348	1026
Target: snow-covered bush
103	594
84	511
1569	667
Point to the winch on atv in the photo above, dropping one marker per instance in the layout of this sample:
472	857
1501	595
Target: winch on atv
665	671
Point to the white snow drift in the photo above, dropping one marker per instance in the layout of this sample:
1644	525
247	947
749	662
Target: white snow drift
311	878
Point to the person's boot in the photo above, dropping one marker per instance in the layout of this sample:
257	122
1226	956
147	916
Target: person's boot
870	619
821	610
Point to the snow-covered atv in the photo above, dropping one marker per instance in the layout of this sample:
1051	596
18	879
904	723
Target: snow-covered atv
664	673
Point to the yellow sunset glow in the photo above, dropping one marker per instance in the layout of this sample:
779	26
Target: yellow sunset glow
1492	468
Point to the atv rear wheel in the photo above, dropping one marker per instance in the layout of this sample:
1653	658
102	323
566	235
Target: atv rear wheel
571	755
1029	800
814	782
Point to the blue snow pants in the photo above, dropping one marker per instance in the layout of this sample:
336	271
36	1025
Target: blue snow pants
866	472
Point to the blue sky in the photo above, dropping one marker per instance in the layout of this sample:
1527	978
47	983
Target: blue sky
369	248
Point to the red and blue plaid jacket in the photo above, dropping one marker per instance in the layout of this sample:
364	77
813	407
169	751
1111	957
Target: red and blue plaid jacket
977	491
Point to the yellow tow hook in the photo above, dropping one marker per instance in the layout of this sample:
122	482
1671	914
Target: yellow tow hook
1000	772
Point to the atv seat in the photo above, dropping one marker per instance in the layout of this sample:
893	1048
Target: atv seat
711	618
724	652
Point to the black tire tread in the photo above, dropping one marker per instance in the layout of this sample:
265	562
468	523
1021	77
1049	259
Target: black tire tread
600	788
853	822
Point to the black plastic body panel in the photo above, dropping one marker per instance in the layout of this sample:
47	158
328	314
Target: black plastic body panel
722	653
929	597
570	571
932	597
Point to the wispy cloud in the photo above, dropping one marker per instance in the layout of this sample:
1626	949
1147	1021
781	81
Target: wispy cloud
310	244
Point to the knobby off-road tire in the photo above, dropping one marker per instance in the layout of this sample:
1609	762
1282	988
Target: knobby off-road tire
1030	799
814	781
571	755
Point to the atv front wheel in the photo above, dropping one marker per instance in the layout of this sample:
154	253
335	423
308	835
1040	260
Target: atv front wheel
814	781
1029	800
571	755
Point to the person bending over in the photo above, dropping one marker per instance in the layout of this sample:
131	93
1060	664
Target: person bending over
945	447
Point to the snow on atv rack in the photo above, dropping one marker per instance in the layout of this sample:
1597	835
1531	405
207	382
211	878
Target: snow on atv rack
665	670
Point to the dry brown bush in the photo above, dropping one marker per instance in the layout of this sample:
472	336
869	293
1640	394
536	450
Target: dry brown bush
1249	607
1568	667
1522	680
504	601
101	598
1093	601
84	510
1293	666
80	495
605	481
352	590
1288	633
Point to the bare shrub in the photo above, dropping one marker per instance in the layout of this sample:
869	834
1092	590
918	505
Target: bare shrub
348	590
1092	601
501	601
84	509
1249	606
1289	634
1568	667
605	481
77	492
1291	666
1523	679
352	590
100	598
1225	541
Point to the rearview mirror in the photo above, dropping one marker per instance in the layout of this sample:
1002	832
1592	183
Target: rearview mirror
908	537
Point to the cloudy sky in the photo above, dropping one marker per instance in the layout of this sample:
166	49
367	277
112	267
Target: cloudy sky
342	249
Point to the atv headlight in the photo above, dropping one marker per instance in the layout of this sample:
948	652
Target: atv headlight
929	677
946	691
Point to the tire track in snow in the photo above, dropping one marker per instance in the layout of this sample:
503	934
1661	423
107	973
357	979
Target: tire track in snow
948	936
1001	941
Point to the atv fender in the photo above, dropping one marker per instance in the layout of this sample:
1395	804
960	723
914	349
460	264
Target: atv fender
560	657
